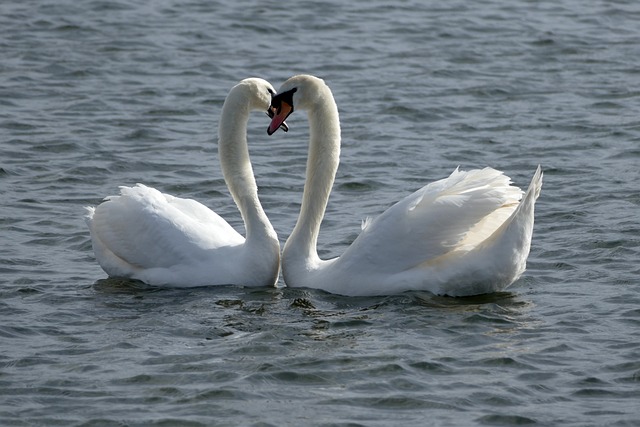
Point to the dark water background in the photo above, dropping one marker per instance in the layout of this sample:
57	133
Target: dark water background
96	94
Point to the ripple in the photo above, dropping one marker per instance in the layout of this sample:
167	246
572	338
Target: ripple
506	420
109	92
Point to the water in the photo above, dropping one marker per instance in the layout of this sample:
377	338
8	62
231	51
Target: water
97	94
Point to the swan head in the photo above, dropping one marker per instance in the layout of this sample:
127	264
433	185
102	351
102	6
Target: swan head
257	94
302	91
257	91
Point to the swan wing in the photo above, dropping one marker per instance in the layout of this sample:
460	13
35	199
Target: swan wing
497	261
452	214
143	228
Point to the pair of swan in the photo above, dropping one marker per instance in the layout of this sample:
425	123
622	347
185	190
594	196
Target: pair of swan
467	234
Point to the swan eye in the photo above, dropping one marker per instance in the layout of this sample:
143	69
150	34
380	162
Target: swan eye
284	97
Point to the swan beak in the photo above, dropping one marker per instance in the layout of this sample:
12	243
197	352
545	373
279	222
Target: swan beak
271	113
278	116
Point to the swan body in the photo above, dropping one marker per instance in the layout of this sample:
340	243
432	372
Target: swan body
169	241
467	234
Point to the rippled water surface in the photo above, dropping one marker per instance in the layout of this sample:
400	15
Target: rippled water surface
96	94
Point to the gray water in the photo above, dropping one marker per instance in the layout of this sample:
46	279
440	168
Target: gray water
97	94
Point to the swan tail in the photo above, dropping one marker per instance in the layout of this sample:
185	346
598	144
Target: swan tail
512	241
520	224
525	210
536	184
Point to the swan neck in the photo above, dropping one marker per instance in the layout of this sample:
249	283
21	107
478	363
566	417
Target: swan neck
237	170
322	165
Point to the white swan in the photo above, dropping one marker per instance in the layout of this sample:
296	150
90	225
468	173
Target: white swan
168	241
467	234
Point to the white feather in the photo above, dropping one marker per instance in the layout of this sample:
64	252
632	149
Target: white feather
165	240
467	234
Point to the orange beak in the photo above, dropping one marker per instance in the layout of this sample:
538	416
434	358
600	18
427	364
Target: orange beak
278	116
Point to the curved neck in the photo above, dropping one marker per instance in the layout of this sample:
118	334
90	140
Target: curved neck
237	170
322	165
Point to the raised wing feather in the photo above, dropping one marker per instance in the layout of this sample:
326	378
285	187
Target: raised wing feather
455	213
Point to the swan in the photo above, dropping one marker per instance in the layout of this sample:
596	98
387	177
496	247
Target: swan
467	234
164	240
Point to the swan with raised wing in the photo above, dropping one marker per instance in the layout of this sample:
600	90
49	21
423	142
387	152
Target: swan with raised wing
467	234
169	241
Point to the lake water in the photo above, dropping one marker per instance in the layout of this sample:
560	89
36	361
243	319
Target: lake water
97	94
